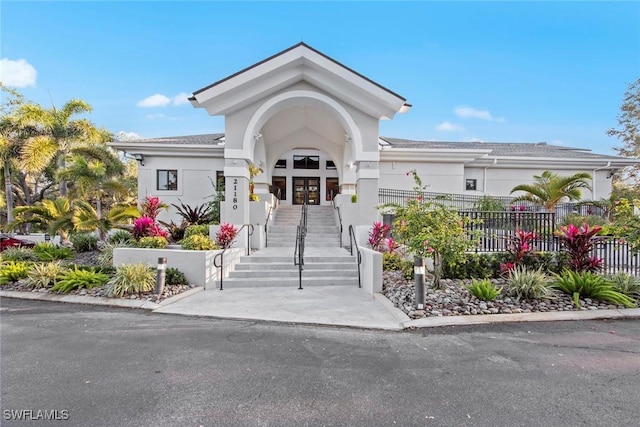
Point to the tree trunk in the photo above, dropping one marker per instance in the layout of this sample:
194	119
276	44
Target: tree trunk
61	166
9	194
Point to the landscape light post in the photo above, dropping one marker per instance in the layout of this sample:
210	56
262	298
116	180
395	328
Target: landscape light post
161	275
418	272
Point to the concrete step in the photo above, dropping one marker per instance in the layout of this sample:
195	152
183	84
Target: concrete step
289	265
307	245
284	274
288	282
287	257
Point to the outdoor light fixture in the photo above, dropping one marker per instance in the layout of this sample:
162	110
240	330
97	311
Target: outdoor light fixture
139	158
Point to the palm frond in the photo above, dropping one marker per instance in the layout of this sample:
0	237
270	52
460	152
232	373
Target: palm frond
37	153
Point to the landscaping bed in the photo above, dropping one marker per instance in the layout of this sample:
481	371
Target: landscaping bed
453	299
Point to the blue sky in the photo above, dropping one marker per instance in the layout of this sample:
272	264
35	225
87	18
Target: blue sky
489	71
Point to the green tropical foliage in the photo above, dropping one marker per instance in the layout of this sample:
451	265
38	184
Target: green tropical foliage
198	242
132	278
54	215
525	283
79	278
549	189
86	218
484	290
44	274
47	252
13	270
589	285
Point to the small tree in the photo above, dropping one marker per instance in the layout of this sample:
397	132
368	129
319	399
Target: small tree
432	230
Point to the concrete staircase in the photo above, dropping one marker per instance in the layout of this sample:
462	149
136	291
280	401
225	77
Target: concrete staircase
326	264
322	231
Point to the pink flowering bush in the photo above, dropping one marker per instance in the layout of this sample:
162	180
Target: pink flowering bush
579	243
147	227
226	235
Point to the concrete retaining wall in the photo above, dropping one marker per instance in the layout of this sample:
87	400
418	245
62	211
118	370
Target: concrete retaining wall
197	266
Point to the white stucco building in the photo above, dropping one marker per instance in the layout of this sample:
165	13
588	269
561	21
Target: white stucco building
312	125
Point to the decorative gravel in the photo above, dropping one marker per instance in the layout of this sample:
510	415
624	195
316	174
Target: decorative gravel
168	291
453	299
91	259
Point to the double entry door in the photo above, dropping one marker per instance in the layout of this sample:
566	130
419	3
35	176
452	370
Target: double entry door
306	189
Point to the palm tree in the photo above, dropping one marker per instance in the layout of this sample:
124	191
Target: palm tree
86	218
550	189
58	133
55	215
11	138
95	172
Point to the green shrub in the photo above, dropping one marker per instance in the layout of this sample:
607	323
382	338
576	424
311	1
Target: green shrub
79	278
13	270
132	278
199	230
48	252
152	242
474	265
590	285
84	242
354	198
626	284
120	237
198	242
489	204
528	284
19	254
45	274
175	277
394	262
484	290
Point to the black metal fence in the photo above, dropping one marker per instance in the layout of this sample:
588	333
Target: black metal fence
496	228
464	202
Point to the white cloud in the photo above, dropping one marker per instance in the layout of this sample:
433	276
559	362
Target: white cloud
181	98
156	100
126	136
557	142
18	73
449	127
154	116
470	112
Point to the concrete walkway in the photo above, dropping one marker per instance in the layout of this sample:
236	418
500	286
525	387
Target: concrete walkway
317	305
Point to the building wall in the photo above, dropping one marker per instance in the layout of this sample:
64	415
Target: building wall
196	176
439	177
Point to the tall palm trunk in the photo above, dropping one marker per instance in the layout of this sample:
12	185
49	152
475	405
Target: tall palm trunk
8	189
61	165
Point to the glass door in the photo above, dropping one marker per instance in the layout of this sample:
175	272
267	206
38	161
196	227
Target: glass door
306	189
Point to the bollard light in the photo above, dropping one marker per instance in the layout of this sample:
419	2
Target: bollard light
418	272
161	275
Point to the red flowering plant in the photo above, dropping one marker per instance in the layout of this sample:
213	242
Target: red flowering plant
579	243
226	235
152	206
378	236
519	245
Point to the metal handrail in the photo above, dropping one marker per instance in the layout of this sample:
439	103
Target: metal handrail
220	256
337	208
301	234
352	238
266	227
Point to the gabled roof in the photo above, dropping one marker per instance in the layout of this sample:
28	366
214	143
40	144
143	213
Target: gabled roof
299	62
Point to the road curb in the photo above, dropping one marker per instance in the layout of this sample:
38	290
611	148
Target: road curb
432	322
180	296
80	299
399	315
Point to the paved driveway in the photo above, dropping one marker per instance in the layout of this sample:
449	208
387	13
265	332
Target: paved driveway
119	367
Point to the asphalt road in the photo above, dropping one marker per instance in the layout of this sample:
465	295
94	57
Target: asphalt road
102	366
